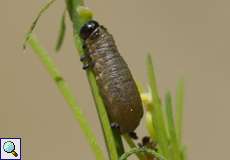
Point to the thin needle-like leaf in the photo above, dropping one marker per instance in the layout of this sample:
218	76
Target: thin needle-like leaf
179	109
33	25
173	143
61	33
157	112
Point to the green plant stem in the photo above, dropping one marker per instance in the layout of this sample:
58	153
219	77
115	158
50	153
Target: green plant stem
114	147
68	95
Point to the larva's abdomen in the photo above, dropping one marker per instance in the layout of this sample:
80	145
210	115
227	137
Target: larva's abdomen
117	86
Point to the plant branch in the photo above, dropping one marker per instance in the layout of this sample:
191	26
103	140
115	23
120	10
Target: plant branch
68	95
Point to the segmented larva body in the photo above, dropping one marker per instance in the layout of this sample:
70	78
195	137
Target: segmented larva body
117	86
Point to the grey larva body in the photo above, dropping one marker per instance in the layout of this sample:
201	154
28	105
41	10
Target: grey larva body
117	86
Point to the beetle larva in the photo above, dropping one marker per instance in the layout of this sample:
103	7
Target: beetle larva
116	84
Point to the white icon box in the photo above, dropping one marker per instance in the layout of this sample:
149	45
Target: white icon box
10	148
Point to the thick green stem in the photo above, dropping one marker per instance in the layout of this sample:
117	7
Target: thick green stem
68	95
113	140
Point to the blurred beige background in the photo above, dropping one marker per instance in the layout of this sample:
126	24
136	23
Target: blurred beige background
187	39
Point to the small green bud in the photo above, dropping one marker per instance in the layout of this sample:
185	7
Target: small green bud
85	12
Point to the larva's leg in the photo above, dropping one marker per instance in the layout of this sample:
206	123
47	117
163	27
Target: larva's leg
133	135
84	58
87	62
115	125
87	65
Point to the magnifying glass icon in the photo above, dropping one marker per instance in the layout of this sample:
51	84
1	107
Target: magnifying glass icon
9	147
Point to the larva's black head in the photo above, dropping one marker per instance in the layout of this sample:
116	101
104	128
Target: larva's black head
88	28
